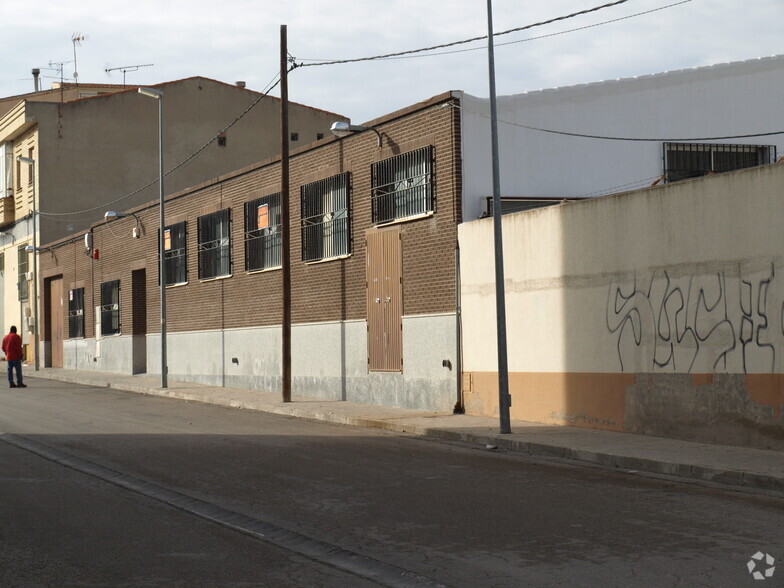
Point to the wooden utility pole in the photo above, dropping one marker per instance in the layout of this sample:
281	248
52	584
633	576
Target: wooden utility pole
284	214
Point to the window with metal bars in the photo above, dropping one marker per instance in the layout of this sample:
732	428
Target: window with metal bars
403	186
325	218
215	244
262	233
110	308
175	254
692	160
22	265
76	313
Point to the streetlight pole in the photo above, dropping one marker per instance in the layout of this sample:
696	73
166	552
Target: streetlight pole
31	162
158	95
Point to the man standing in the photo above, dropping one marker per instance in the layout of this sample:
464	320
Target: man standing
12	347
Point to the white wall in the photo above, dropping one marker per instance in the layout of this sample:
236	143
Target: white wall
720	100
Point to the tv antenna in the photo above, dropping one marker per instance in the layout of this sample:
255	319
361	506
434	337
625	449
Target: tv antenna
126	68
77	39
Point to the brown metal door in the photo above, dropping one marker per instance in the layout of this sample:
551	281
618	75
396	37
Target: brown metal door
385	300
57	319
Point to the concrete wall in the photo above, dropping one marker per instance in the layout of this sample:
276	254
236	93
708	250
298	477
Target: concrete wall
329	360
659	311
721	100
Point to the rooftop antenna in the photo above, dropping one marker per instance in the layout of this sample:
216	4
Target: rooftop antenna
58	67
77	39
126	68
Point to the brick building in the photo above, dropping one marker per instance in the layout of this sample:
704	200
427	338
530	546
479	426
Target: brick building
373	239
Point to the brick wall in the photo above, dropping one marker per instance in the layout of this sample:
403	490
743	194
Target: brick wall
326	291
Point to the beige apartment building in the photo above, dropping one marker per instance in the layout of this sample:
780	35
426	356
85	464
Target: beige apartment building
95	149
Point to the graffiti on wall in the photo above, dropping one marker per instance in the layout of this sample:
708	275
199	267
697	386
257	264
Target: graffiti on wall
729	320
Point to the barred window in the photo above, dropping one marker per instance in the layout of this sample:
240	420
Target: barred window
22	265
325	218
76	313
110	308
262	233
175	254
692	160
403	186
215	244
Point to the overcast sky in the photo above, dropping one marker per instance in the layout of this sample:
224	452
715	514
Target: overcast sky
234	40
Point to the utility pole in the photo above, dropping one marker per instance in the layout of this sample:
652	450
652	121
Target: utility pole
504	399
284	214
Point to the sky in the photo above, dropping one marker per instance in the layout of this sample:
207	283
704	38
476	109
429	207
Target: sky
235	40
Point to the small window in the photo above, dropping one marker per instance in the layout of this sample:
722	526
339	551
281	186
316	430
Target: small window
76	313
23	264
692	160
262	233
215	245
295	136
175	254
222	140
110	308
319	136
402	186
325	218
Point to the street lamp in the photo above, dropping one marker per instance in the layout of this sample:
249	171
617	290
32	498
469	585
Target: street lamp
344	129
158	95
31	162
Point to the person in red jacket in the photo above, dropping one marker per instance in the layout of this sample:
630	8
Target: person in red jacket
12	347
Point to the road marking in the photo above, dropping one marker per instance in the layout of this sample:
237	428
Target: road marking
321	551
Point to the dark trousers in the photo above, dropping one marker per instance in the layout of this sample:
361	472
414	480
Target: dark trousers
14	364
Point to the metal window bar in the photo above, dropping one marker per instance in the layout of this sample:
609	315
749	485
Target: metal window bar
110	308
76	313
403	186
262	244
325	218
214	245
23	264
176	258
691	160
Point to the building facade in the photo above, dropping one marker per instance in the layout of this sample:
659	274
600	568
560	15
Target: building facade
373	226
96	148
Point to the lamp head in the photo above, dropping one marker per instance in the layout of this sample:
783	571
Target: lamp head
344	129
151	92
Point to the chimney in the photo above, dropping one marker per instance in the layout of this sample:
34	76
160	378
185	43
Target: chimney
240	84
36	73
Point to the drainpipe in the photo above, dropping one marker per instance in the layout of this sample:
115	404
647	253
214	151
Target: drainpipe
459	404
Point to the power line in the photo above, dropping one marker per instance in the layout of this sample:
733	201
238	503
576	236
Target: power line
271	86
454	43
598	24
608	138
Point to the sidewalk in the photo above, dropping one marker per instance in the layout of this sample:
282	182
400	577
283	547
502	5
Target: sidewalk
733	466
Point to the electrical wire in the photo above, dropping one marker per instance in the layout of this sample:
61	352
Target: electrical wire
608	138
598	24
270	86
463	42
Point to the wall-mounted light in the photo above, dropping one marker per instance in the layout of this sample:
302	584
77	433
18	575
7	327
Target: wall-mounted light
110	215
344	129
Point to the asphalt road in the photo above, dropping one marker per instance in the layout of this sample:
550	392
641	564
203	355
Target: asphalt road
337	506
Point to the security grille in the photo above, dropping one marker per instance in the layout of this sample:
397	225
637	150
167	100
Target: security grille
262	233
325	218
76	313
110	308
403	186
23	261
175	255
692	160
214	245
